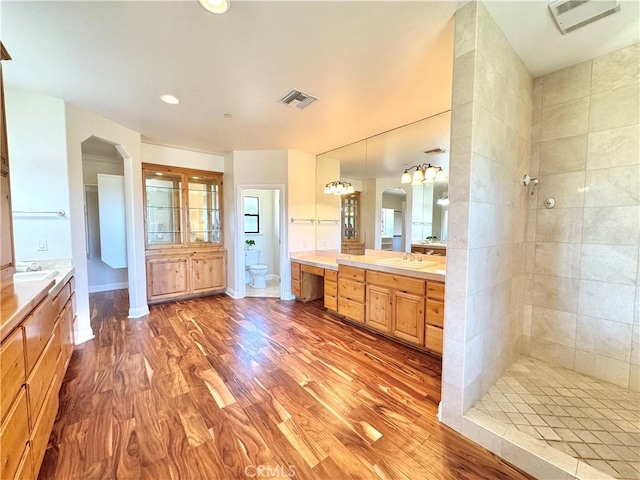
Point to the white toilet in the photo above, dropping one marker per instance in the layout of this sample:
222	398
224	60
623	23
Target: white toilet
256	272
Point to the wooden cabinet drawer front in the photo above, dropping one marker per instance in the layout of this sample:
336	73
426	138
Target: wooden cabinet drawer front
398	282
25	469
351	290
37	329
61	299
14	435
351	310
72	284
435	290
42	430
330	288
313	270
12	371
296	287
351	273
330	302
331	275
295	271
433	340
435	313
43	373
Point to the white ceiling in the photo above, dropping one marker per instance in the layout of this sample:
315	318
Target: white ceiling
373	65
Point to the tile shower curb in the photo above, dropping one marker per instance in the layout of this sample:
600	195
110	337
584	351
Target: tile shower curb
527	453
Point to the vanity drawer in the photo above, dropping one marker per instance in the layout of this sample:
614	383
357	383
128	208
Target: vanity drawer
435	290
435	313
296	287
295	271
330	288
352	273
12	373
42	429
351	290
43	375
398	282
330	302
14	435
25	469
433	339
331	275
351	310
313	270
37	329
61	299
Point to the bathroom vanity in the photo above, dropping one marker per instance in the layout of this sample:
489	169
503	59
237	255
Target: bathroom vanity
401	299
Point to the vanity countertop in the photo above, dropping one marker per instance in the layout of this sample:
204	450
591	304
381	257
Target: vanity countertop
370	262
20	297
433	244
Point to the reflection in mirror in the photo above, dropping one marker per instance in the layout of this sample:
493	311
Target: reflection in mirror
375	167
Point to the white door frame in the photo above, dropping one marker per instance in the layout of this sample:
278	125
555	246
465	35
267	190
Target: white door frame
240	289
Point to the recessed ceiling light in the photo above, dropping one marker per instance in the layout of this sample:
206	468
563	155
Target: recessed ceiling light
216	6
170	99
159	173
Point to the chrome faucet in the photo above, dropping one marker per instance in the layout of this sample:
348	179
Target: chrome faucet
407	255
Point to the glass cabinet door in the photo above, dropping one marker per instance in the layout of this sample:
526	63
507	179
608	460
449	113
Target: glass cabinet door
350	216
163	208
204	210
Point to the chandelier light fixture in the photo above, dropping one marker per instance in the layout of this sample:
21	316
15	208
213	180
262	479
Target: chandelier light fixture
425	173
338	188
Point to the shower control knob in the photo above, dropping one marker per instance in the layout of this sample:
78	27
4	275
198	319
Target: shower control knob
550	202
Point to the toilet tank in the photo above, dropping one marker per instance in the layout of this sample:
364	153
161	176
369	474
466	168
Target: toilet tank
251	257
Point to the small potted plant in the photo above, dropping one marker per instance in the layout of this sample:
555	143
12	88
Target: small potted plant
431	239
250	244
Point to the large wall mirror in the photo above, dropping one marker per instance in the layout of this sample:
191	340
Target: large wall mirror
362	201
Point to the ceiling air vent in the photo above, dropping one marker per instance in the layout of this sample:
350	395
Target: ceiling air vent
298	99
435	151
572	14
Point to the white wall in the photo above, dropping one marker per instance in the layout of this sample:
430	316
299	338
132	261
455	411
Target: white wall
267	239
81	125
101	277
229	225
38	153
176	157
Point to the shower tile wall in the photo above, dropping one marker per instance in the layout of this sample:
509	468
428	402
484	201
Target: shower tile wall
490	133
582	298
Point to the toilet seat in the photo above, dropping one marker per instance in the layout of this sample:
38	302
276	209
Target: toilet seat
258	268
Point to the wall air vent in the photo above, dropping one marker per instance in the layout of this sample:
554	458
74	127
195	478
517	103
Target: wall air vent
298	99
435	151
572	14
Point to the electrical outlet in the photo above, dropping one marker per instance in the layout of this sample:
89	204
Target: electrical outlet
42	245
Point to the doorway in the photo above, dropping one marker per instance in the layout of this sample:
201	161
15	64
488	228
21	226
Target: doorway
260	255
393	219
105	227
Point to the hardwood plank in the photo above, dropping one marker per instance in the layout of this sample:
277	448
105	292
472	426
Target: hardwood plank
211	387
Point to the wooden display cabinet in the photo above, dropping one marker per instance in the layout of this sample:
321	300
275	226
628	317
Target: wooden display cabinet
183	232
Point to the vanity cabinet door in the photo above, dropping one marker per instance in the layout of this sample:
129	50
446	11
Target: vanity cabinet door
6	235
409	317
167	277
208	272
379	308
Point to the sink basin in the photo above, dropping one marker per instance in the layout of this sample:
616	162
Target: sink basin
402	263
31	276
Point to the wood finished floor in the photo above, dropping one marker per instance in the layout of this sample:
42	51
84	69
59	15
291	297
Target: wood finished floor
211	388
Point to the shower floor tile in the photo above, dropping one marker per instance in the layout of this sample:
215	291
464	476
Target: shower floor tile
584	417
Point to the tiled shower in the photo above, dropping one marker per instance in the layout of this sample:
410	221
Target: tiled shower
541	332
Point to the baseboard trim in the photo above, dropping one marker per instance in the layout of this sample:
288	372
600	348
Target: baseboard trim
272	276
231	293
84	336
108	287
139	312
